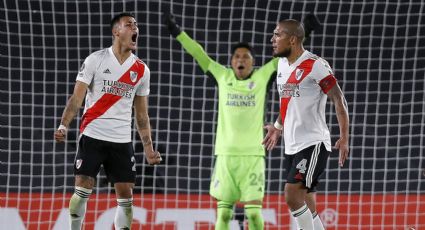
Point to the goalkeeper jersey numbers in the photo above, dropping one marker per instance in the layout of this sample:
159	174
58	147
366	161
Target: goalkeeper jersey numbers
111	91
302	90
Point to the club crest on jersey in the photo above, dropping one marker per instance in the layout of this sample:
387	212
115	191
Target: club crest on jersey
299	74
133	76
78	163
251	85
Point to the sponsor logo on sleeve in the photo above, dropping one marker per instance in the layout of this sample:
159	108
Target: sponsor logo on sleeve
216	183
82	67
81	73
78	163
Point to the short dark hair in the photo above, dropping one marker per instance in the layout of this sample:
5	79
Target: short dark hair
295	28
243	45
119	16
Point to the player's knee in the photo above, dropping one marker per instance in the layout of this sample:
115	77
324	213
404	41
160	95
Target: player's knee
291	202
253	214
84	181
124	190
294	195
224	211
224	214
255	217
294	202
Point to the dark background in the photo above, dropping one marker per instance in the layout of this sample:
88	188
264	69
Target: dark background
377	50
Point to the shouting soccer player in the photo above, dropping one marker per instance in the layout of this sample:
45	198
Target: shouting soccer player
304	82
111	80
239	173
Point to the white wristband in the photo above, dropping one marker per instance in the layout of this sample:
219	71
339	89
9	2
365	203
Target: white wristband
277	125
62	127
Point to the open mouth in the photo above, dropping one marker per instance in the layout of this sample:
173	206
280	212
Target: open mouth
241	67
134	37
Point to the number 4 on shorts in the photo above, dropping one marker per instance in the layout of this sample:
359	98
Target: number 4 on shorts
301	166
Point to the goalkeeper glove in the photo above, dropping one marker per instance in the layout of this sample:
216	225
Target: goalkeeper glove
171	24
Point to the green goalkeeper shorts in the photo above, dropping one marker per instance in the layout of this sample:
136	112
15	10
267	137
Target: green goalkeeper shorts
238	178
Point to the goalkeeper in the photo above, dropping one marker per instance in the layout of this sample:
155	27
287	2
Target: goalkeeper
239	173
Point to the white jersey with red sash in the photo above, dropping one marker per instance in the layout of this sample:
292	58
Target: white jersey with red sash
302	90
110	95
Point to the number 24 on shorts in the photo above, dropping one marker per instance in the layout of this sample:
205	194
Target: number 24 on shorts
256	179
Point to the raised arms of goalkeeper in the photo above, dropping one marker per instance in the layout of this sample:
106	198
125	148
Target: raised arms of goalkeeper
241	69
190	45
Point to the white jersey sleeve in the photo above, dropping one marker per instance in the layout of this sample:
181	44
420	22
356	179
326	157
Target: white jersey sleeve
323	75
88	69
144	87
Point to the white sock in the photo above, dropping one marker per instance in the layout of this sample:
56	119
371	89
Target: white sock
124	214
78	206
317	222
303	218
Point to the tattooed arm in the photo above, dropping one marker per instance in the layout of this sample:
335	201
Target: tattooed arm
144	129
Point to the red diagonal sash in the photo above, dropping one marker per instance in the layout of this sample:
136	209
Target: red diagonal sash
306	65
108	100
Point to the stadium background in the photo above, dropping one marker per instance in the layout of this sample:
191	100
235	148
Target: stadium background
377	50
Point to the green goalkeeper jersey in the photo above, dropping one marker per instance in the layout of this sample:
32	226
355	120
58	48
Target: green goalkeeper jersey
241	102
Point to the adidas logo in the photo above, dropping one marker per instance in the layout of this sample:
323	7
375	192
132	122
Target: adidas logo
107	71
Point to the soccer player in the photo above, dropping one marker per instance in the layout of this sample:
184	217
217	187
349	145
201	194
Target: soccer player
239	173
304	82
112	80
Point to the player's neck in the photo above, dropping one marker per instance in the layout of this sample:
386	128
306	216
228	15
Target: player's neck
120	53
295	55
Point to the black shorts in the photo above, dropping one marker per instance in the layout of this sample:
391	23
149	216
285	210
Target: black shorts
307	165
117	159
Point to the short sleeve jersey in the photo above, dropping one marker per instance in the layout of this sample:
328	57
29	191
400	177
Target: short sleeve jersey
111	90
241	104
302	90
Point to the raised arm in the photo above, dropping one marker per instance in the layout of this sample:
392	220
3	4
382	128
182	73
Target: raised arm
337	97
144	129
190	45
71	109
